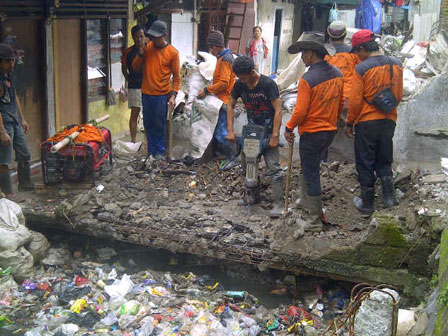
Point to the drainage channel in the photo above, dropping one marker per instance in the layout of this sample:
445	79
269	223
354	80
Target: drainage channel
96	286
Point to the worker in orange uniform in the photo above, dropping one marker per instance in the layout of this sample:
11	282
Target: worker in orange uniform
222	85
377	89
319	105
161	64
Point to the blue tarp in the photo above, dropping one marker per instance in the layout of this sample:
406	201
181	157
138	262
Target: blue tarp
369	15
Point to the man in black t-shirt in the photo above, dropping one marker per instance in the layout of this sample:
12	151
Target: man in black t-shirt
262	102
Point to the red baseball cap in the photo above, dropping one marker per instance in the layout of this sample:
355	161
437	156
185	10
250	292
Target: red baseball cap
362	36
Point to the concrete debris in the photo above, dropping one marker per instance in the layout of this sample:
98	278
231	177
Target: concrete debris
434	179
374	316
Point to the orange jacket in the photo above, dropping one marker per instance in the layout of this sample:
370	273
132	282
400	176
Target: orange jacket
159	65
319	100
346	62
223	78
370	77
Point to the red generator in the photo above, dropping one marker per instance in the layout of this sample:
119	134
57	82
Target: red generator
77	162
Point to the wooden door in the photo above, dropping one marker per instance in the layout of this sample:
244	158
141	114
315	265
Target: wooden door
67	64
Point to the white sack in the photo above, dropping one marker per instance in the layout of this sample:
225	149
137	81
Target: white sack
38	246
21	262
11	214
291	74
203	120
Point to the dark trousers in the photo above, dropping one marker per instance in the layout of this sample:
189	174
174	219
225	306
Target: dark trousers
374	150
155	109
311	148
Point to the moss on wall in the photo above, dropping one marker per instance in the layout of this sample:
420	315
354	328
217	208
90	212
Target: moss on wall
442	299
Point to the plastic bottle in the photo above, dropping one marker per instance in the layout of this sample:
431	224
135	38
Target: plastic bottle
147	326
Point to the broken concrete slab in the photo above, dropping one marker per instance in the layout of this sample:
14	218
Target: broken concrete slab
434	179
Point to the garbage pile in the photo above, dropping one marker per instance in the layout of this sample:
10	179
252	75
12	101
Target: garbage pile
20	247
82	291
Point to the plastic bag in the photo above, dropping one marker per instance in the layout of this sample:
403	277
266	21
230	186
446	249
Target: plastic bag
126	150
333	15
120	287
11	215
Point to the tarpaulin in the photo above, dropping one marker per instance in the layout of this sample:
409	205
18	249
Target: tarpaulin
88	133
369	15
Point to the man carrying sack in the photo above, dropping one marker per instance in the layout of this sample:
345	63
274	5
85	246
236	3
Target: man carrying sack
377	89
223	81
319	105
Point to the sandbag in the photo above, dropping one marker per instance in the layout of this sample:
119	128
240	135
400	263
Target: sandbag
11	215
21	262
203	120
38	246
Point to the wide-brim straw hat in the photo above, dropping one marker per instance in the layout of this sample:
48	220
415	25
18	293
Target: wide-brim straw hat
312	41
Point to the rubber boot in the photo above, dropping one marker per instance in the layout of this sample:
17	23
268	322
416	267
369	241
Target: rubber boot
301	203
364	204
389	199
6	188
277	187
314	209
24	176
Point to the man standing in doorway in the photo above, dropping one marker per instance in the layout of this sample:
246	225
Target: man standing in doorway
161	64
262	102
223	81
319	105
13	127
372	128
134	78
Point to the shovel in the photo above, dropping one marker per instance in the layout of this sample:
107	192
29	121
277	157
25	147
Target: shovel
288	176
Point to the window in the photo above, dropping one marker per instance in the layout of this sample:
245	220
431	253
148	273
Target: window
117	45
106	41
96	59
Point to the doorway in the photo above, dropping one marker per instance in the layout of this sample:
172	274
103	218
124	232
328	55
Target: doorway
277	33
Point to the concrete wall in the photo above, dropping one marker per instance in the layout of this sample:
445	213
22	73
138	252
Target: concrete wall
182	34
266	20
426	110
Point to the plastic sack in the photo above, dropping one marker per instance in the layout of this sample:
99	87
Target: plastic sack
126	150
21	262
11	215
38	246
6	283
13	239
207	68
147	326
203	121
291	74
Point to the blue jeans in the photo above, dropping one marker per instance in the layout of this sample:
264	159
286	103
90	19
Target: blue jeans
155	109
221	127
18	143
